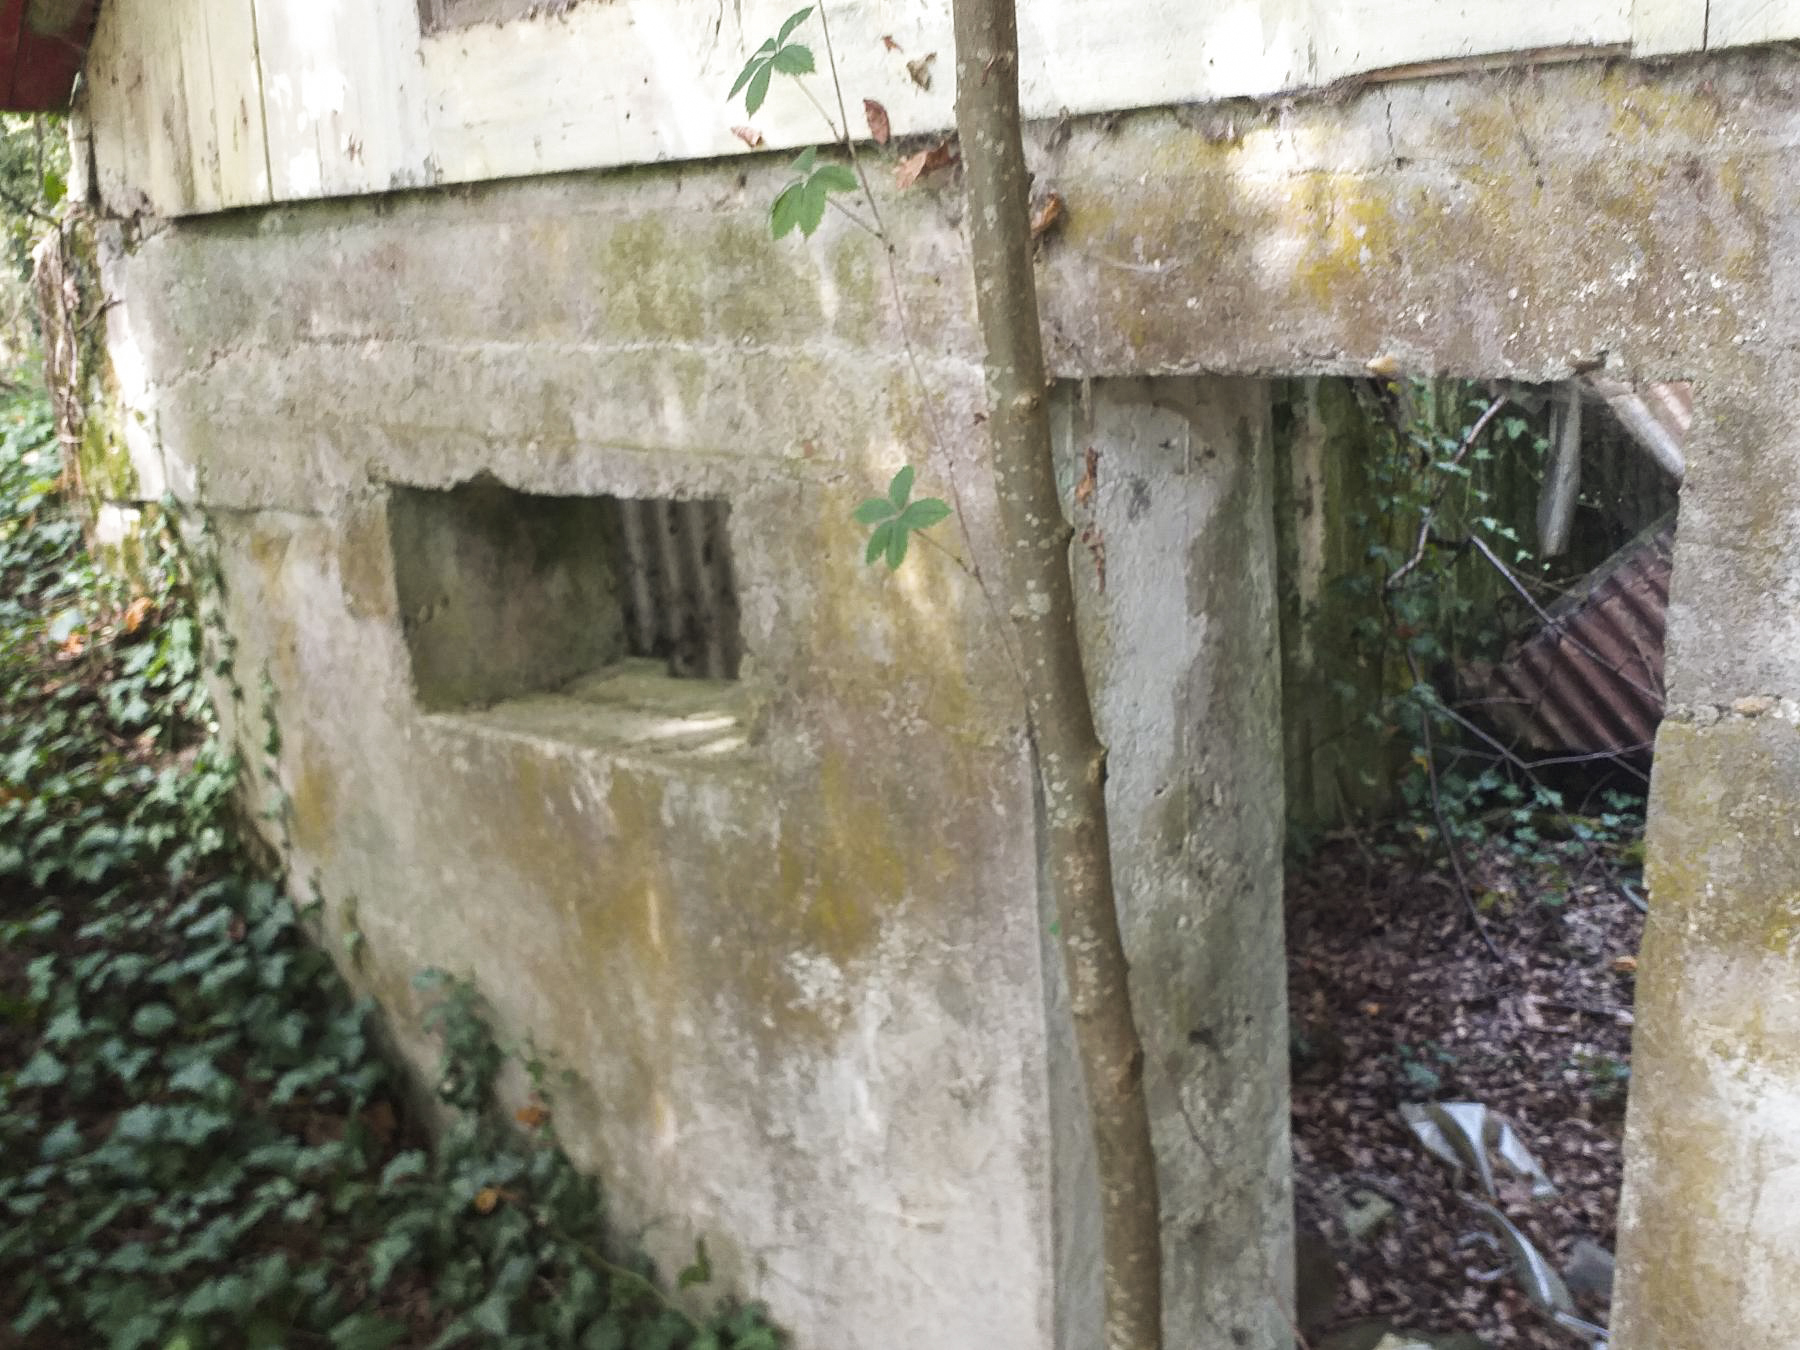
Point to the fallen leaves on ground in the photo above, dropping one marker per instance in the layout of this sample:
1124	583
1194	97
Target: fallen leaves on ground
1393	999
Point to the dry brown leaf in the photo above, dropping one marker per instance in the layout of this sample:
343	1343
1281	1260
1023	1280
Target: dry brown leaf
1625	965
915	166
750	136
136	612
73	645
533	1116
1090	478
920	70
879	127
486	1199
1385	366
1047	217
887	40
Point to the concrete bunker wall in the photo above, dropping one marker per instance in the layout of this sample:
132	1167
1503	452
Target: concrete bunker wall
806	995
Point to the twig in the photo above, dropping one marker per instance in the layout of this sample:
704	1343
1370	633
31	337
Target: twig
853	218
1444	831
1469	437
1511	580
940	443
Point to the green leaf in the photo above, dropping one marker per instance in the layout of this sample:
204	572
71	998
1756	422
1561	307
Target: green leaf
387	1254
153	1019
810	208
759	88
754	64
61	1142
924	513
784	211
64	625
874	511
793	59
404	1165
792	22
896	546
44	1070
366	1331
56	187
836	178
901	486
701	1269
803	162
878	541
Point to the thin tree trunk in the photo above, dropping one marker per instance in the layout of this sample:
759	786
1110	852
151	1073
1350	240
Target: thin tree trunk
1071	760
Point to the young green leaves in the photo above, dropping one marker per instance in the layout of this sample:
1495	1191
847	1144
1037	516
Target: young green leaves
802	202
894	519
776	56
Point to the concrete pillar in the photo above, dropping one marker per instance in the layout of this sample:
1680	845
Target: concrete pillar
1175	565
1710	1218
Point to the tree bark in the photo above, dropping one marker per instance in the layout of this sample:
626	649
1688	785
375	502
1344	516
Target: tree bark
1071	762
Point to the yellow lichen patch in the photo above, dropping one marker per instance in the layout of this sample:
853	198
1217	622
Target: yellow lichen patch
313	805
1643	110
1347	235
1724	864
363	567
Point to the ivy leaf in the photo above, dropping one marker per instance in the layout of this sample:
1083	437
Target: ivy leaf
153	1019
366	1331
44	1070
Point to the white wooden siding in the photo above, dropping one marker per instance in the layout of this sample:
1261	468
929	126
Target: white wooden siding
201	105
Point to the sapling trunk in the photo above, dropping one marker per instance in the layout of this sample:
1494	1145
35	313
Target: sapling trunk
1071	762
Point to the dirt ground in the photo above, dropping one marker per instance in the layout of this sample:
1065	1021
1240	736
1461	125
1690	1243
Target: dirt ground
1395	998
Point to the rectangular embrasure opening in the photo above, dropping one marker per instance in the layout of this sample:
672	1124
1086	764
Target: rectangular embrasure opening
508	596
435	16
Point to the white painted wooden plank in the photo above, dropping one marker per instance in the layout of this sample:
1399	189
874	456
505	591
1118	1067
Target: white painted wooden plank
175	106
1359	36
646	80
605	85
355	101
223	94
237	103
1663	27
1735	23
343	97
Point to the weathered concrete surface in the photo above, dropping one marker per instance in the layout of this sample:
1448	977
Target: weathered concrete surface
1175	579
803	979
1711	1217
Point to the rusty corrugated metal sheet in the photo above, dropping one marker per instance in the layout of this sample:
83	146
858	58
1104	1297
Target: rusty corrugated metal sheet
1591	679
42	46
